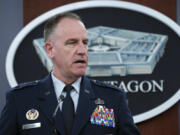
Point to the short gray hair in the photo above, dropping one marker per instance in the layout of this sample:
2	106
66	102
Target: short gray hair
53	21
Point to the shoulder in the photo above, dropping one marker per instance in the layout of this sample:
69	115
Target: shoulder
104	85
24	86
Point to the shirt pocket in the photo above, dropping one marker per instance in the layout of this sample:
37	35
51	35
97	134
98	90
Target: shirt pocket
94	129
109	130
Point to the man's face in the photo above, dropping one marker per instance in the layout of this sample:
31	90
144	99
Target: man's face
69	48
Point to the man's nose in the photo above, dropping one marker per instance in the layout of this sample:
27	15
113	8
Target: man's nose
82	49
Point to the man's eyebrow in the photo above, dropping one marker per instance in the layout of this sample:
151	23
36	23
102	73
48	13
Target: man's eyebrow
86	39
75	40
71	40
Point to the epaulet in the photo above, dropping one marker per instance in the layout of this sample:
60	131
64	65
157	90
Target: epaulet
102	84
26	84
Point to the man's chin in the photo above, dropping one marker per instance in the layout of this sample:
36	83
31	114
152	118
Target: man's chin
80	73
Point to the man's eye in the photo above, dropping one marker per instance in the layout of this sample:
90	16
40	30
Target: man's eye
85	43
72	42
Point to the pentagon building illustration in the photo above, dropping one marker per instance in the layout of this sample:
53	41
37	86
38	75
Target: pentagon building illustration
119	52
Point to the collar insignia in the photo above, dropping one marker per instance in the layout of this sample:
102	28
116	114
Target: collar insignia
86	91
47	93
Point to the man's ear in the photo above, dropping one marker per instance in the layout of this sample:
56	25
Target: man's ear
49	49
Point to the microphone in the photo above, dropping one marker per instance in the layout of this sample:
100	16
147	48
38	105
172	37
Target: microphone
60	99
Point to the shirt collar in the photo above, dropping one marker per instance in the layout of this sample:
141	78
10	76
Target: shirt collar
59	85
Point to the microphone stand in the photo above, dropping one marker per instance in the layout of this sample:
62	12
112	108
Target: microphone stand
60	99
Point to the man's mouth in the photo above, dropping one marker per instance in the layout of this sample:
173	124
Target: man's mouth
80	61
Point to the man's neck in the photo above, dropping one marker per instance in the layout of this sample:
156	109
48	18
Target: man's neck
65	80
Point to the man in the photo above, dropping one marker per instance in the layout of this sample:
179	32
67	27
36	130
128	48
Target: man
85	107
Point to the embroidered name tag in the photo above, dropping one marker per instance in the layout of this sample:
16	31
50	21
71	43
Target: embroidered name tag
103	116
